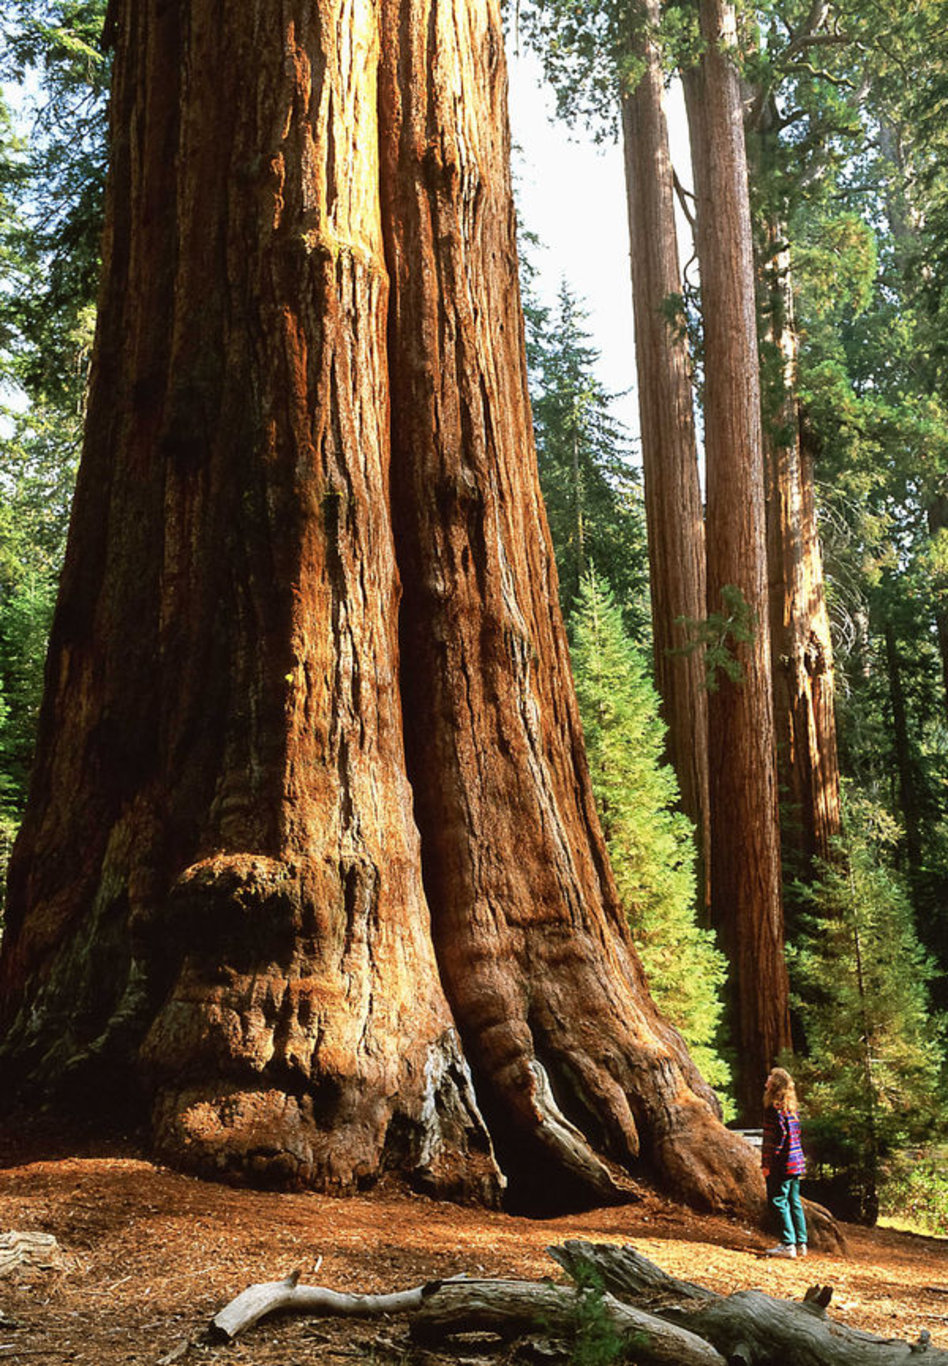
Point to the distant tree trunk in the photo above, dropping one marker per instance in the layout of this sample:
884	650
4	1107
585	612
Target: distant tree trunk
904	226
669	457
220	895
908	786
579	519
938	526
801	646
745	850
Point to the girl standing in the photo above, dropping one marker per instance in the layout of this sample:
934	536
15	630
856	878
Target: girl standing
783	1162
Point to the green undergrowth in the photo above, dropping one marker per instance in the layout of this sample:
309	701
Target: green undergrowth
913	1196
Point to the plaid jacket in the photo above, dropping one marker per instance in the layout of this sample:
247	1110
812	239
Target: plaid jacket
782	1152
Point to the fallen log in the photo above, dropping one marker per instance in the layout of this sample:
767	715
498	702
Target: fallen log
514	1309
442	1309
654	1318
748	1328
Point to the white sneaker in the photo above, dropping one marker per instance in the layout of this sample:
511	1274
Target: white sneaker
801	1249
782	1250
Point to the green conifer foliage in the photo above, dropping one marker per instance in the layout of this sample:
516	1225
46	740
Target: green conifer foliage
53	50
51	173
871	1079
651	845
592	492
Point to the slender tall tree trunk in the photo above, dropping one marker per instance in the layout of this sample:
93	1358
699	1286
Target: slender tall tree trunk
669	457
903	224
579	527
310	361
907	784
938	527
801	646
745	850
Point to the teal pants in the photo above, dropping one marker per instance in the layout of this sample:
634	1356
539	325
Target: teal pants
784	1196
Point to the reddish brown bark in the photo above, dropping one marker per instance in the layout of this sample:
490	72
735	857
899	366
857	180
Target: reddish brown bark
531	942
217	892
219	886
745	851
801	645
669	457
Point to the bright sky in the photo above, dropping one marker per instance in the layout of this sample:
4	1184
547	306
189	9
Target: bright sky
571	193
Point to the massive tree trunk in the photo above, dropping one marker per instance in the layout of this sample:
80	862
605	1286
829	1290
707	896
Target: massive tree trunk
532	943
746	897
309	318
801	647
669	458
217	893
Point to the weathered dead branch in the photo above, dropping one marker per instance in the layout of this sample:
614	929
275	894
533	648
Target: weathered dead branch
266	1298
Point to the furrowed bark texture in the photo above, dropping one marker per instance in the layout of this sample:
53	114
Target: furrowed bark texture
220	864
801	645
669	458
218	893
746	899
534	952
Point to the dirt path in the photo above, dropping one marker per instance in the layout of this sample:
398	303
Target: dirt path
153	1255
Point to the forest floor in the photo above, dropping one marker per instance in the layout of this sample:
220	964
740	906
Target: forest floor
152	1255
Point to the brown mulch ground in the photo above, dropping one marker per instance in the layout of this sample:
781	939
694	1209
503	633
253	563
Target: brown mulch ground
152	1255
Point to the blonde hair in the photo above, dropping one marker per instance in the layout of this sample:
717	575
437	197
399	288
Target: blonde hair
780	1092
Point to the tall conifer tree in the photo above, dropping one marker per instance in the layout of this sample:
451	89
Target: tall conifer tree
650	843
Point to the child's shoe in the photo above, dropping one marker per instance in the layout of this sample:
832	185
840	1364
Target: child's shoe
782	1250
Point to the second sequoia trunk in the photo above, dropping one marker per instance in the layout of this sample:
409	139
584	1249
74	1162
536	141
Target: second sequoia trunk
571	1059
669	454
220	897
746	898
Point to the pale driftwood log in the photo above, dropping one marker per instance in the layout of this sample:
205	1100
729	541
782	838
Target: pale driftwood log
442	1309
266	1298
514	1309
748	1328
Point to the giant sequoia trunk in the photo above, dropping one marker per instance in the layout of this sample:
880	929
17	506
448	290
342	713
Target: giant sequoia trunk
310	335
669	459
746	901
217	893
